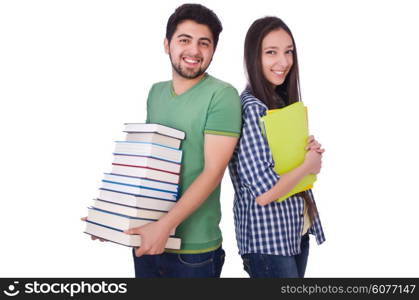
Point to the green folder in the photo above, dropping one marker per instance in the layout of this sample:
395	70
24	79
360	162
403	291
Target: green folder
286	130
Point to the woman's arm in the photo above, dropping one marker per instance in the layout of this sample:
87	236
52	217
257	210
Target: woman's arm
256	163
311	165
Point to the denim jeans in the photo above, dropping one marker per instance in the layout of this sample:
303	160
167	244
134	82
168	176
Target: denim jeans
208	264
278	266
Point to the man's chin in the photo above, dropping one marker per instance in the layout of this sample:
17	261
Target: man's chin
191	75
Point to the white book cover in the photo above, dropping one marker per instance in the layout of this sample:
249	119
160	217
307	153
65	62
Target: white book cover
131	211
152	127
138	190
147	162
169	187
119	237
155	138
148	149
117	221
132	200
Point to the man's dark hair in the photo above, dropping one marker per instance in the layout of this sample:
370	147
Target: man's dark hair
194	12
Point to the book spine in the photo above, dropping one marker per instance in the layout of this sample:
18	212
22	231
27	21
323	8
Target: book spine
118	221
140	187
132	200
160	176
138	190
170	187
145	167
128	210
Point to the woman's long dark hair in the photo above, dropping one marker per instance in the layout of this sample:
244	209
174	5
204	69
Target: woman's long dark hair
261	88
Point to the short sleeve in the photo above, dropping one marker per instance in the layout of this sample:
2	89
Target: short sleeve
256	162
148	104
224	114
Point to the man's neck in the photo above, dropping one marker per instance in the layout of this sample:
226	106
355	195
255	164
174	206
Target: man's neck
181	84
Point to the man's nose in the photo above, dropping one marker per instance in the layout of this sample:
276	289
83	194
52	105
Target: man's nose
193	49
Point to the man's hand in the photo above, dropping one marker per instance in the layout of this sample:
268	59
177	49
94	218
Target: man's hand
154	237
92	236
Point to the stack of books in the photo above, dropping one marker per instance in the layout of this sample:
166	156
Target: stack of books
142	185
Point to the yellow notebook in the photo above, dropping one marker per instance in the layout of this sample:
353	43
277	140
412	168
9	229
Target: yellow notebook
286	130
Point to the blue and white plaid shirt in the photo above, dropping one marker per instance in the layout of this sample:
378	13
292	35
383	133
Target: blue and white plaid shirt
275	228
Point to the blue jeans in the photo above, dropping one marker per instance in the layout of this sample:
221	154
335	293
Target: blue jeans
278	266
208	264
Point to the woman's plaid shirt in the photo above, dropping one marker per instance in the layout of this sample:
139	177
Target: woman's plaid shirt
275	228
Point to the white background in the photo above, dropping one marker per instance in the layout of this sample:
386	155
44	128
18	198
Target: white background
72	72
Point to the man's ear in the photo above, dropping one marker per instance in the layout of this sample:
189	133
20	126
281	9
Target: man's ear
166	46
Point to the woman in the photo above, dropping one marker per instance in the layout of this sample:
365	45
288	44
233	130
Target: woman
272	236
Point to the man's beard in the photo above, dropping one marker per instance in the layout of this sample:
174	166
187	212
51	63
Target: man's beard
184	73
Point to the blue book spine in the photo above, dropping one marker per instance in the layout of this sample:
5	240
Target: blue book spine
137	195
139	186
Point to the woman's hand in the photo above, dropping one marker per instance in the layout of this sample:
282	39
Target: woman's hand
313	158
311	165
312	144
313	162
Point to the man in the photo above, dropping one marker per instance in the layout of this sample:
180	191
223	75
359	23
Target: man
209	112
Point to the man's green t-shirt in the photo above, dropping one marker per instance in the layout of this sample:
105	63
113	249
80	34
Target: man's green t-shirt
209	107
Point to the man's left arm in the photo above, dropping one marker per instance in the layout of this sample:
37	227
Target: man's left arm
218	150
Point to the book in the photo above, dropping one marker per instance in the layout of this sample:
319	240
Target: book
142	185
137	190
119	237
158	185
145	173
117	221
131	211
157	128
148	149
137	201
153	137
286	130
147	162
